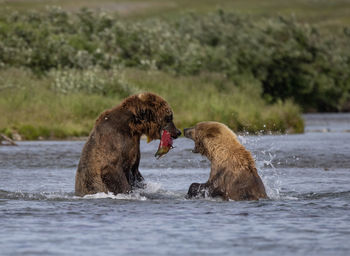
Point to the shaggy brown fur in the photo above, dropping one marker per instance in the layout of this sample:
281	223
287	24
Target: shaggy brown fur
111	156
233	174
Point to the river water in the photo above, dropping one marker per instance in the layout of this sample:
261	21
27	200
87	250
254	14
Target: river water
307	178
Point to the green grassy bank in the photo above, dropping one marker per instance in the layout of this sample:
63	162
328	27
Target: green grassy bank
56	106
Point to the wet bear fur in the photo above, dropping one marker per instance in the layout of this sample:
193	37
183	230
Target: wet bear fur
110	158
233	174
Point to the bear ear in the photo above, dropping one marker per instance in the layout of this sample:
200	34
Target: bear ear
142	96
212	132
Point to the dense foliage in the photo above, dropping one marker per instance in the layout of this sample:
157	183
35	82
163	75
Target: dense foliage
286	59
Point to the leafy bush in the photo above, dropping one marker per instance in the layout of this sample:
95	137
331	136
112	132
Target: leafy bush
91	81
288	59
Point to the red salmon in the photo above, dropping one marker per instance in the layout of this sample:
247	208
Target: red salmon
165	144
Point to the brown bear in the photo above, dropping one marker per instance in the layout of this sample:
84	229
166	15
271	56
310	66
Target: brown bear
110	158
233	174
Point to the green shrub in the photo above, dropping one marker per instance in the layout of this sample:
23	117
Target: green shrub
91	81
287	59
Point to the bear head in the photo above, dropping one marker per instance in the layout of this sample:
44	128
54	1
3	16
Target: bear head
151	115
211	139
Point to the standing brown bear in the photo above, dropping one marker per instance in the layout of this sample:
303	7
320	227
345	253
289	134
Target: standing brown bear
110	158
233	174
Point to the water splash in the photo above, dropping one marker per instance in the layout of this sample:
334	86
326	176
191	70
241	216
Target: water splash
110	195
264	162
152	187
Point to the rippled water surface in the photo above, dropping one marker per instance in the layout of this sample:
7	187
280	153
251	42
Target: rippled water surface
307	178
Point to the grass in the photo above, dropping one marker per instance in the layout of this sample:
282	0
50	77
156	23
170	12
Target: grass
33	108
211	97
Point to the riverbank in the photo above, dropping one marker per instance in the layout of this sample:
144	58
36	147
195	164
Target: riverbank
55	107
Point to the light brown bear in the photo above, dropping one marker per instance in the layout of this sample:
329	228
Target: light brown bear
233	174
110	158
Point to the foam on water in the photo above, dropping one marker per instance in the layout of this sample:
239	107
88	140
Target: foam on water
140	194
110	195
152	187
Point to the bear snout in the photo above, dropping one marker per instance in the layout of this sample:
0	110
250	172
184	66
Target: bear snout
174	132
178	133
188	133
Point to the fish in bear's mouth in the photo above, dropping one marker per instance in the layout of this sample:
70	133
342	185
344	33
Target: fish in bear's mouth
165	144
